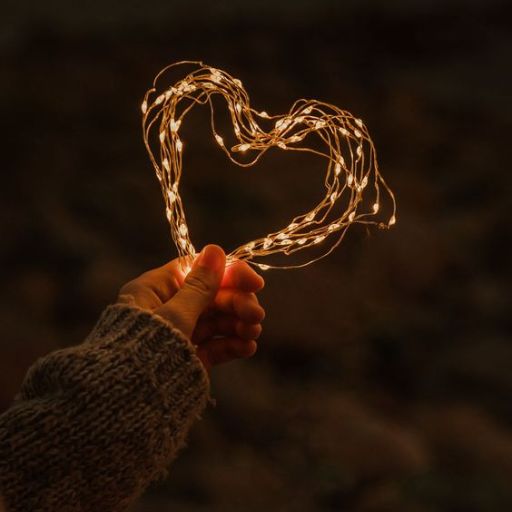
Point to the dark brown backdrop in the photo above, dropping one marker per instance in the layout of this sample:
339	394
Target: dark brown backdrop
383	378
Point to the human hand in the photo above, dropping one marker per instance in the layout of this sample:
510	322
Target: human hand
214	306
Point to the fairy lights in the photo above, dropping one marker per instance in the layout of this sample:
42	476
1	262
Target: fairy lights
349	154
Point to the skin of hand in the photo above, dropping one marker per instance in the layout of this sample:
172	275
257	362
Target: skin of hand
214	305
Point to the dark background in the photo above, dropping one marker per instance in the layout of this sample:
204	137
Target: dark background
383	379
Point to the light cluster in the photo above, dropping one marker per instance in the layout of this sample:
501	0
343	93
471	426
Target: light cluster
349	153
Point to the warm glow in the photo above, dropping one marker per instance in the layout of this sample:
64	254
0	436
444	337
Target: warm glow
349	153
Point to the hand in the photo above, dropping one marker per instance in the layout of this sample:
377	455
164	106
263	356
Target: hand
214	306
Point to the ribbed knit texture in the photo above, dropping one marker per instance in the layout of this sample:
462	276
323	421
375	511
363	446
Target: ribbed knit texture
94	424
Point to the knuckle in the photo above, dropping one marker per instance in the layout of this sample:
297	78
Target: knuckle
198	284
130	287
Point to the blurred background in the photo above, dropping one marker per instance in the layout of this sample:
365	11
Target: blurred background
383	379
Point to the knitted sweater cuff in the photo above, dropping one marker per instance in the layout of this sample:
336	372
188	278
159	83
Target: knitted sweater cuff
157	347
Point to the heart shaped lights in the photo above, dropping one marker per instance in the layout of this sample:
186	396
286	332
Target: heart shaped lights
350	154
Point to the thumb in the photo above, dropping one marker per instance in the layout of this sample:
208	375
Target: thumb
198	291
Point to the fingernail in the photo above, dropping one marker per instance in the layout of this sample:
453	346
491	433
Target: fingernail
211	257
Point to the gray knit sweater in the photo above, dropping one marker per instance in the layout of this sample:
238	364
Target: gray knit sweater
94	424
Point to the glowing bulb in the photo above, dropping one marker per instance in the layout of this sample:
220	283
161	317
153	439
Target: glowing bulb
302	241
267	243
219	139
237	82
174	125
144	106
350	179
179	145
333	197
392	220
344	132
263	266
166	165
337	169
168	214
282	145
319	239
375	207
243	147
162	136
183	230
281	124
238	107
264	114
308	110
357	133
359	123
310	217
215	75
172	196
159	99
351	216
359	150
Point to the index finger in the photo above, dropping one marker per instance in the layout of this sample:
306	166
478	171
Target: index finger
241	276
154	286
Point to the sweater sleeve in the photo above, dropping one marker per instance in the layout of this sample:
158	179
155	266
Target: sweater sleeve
94	424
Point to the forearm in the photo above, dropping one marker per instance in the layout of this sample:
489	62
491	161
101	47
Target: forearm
95	424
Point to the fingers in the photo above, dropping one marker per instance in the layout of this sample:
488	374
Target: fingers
198	291
225	325
241	276
153	288
219	351
157	286
244	305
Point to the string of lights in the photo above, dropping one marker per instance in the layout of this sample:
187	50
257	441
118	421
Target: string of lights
349	153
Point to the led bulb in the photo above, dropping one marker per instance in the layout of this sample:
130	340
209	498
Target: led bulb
174	125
